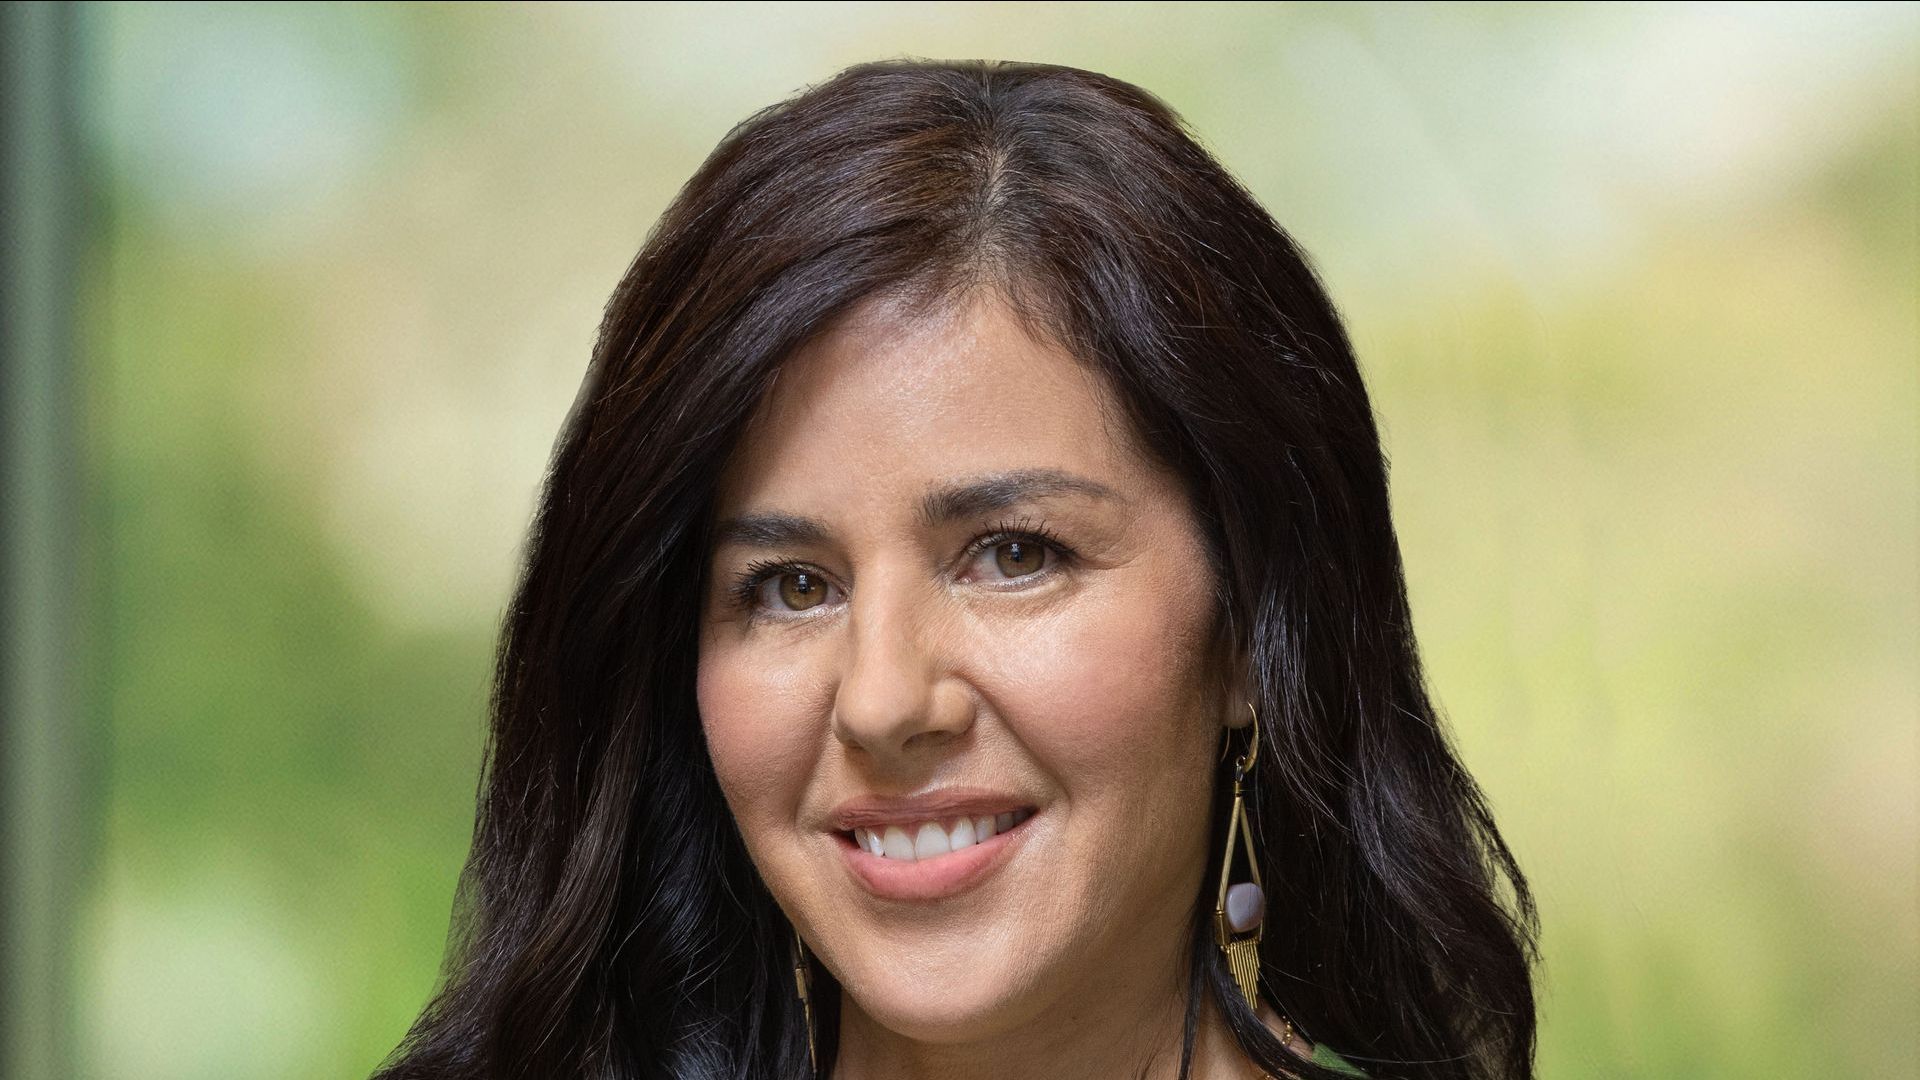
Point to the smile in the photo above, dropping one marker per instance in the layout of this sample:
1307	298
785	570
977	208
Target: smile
918	841
931	860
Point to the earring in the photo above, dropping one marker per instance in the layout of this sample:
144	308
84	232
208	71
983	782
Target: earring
803	982
1239	909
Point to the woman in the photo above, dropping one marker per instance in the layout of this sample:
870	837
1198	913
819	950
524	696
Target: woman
964	635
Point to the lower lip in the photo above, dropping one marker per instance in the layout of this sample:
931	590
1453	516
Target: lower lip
935	878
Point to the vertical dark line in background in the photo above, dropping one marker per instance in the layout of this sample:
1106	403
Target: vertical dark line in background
46	806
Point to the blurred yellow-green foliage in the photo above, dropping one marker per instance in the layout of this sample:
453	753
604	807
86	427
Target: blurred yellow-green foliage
1635	289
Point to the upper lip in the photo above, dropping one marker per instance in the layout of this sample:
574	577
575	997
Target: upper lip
938	805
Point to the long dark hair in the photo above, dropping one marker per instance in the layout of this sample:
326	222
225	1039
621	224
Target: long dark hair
609	923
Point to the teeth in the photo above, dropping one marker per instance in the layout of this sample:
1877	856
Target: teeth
895	844
932	839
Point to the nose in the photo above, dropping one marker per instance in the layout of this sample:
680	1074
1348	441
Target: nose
896	696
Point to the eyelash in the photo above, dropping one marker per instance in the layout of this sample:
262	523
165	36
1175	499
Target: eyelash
746	586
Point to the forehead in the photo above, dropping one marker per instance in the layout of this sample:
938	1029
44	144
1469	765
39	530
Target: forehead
881	406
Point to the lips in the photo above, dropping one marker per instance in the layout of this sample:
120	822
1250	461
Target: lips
929	847
942	805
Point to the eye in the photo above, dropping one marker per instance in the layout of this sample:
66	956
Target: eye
1021	550
801	589
1020	556
796	587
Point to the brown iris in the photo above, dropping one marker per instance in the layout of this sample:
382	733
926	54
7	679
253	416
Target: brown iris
1025	558
801	590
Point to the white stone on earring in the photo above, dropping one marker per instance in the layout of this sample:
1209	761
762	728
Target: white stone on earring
1246	906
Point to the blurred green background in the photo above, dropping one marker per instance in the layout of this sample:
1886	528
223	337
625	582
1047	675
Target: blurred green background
1635	289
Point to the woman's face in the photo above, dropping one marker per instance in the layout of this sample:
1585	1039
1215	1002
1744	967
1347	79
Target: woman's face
946	587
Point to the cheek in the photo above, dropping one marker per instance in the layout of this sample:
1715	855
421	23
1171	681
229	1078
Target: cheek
1110	694
757	743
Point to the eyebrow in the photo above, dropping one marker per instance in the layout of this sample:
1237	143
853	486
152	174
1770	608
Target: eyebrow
939	506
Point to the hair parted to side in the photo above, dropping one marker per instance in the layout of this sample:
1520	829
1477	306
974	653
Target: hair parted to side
609	922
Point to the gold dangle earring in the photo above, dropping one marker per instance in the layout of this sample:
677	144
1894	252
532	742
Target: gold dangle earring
1238	911
803	982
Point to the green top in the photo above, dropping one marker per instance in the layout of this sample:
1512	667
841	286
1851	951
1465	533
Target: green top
1324	1055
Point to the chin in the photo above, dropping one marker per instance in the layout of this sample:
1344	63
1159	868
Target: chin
934	1017
937	1002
